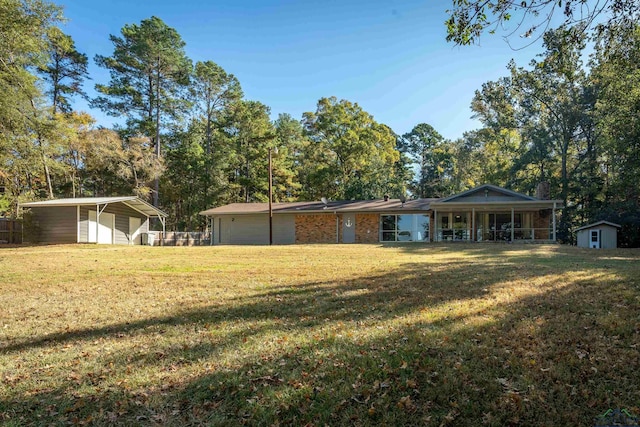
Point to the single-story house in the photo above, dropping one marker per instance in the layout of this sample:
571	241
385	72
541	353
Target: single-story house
486	213
599	235
108	220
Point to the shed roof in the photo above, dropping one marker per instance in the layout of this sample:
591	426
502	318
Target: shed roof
596	224
319	207
133	202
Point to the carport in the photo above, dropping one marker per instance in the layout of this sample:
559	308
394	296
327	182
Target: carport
106	220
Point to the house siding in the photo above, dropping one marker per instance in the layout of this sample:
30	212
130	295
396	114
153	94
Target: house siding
55	224
490	196
244	230
608	237
253	230
316	228
284	229
121	232
583	238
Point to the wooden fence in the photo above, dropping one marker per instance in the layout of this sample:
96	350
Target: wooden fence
185	238
10	231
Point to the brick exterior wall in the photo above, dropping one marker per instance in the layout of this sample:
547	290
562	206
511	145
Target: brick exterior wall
367	226
316	228
542	221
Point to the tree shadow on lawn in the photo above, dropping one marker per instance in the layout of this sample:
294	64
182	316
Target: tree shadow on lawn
387	295
413	346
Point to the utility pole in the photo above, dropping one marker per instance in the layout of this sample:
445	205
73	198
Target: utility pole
270	201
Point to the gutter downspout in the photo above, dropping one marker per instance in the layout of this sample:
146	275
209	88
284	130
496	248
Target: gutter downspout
337	227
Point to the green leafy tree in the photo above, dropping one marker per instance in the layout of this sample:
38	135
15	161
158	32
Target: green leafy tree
616	79
433	156
149	76
470	18
552	98
290	140
65	71
24	25
186	178
213	92
250	134
346	149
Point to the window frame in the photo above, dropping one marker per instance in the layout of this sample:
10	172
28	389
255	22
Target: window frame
396	231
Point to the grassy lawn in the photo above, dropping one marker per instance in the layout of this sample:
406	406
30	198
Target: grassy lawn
460	335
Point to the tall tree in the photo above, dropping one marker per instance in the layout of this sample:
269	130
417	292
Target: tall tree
552	98
149	75
24	25
290	140
250	134
214	92
65	70
433	156
616	77
346	149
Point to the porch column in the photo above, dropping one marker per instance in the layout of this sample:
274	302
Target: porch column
211	231
473	224
513	220
553	214
435	225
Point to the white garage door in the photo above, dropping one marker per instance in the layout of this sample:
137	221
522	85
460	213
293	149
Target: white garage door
105	229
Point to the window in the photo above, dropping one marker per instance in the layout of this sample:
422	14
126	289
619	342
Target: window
404	228
594	236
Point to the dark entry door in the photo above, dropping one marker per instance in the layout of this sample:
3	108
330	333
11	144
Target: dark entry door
348	228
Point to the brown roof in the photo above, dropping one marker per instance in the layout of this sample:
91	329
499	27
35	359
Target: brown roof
317	207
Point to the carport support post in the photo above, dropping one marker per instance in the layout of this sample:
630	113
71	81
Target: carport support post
164	231
97	224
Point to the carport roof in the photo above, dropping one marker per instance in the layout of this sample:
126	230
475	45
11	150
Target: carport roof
134	202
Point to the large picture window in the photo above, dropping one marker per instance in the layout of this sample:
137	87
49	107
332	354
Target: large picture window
404	228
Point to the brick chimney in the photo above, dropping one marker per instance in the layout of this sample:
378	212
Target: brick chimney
543	191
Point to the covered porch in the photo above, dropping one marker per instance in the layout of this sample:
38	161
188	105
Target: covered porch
494	214
495	225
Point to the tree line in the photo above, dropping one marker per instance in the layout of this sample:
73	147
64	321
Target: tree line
189	140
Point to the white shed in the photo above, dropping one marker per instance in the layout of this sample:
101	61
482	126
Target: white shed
599	235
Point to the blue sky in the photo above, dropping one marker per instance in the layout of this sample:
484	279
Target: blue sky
390	57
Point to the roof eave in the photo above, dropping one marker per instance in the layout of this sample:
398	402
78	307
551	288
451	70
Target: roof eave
550	203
